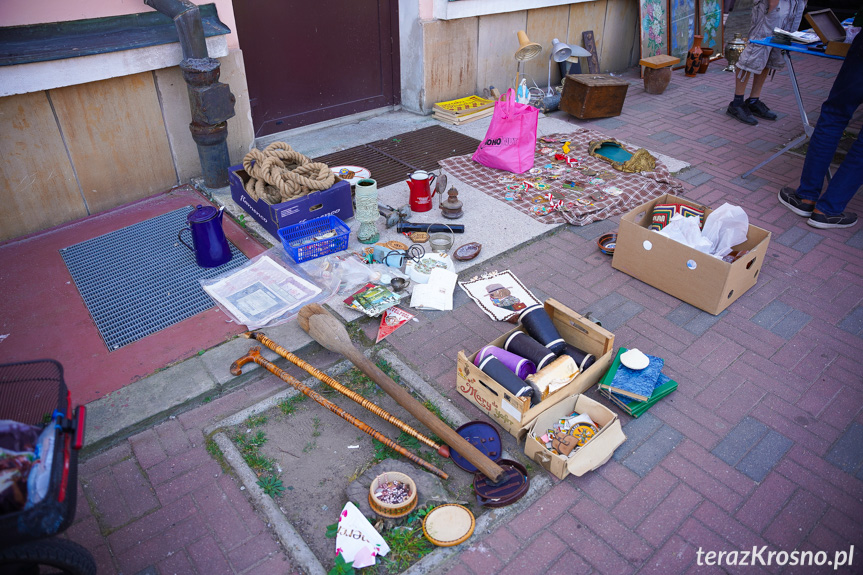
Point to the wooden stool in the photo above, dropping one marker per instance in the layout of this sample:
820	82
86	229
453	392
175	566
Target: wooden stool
658	72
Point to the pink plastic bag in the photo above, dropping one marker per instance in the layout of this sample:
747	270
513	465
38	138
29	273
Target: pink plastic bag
510	141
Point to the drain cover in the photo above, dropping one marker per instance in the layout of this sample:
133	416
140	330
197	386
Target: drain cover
391	160
140	279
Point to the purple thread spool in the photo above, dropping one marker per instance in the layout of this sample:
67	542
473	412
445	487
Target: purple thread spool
502	374
522	344
520	366
538	324
582	359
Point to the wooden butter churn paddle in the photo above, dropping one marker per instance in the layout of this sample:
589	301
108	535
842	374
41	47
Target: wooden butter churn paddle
330	333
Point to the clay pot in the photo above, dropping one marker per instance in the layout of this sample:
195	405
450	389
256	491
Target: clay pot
706	53
693	57
656	80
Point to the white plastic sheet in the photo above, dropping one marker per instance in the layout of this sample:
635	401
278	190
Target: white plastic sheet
725	227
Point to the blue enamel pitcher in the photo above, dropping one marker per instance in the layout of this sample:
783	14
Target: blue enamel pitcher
208	238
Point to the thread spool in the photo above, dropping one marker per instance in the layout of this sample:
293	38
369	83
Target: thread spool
538	324
521	366
522	344
495	368
582	359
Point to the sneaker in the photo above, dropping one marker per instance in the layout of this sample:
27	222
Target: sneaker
741	113
824	222
789	198
761	110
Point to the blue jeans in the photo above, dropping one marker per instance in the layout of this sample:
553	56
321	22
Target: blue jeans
844	99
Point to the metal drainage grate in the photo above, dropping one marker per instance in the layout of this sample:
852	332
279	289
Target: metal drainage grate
141	279
391	160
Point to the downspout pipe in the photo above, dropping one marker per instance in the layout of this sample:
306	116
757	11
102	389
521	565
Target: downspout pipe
211	102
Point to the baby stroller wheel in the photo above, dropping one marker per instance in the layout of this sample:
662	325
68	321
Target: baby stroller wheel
56	556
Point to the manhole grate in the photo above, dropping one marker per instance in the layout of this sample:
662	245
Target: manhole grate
140	279
391	160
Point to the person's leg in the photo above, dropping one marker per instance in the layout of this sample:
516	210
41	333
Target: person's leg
845	97
758	83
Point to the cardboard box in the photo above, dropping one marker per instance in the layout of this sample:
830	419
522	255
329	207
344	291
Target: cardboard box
335	201
697	278
515	414
594	453
587	96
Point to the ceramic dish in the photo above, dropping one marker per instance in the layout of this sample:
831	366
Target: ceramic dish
467	252
359	173
606	243
634	359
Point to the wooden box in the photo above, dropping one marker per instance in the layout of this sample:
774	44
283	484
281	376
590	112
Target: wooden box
587	96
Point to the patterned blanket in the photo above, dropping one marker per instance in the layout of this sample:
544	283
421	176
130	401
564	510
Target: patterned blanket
568	187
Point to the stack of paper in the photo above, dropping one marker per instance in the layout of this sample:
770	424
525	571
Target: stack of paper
437	293
632	394
463	110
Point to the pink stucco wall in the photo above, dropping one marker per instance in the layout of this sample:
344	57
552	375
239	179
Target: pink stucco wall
22	12
426	9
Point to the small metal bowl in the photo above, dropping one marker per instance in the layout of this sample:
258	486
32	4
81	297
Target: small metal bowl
607	243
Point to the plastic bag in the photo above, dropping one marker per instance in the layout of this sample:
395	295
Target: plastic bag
344	274
40	473
725	227
268	290
357	540
510	142
686	231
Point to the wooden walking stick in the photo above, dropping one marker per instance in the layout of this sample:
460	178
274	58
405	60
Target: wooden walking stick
255	356
330	333
442	450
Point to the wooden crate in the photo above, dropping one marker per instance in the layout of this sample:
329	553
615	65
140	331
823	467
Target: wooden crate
588	96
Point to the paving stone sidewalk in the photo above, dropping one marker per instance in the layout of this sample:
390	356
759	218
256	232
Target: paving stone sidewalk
761	446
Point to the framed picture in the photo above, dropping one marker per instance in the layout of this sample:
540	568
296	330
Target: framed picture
681	27
653	15
711	24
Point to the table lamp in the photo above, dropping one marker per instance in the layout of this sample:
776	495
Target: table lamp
559	53
527	51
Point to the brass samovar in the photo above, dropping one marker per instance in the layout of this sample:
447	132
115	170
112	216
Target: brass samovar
732	51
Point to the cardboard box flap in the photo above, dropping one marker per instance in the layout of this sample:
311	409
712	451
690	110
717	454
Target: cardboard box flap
598	450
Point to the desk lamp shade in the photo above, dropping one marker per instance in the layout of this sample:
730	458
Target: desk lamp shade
527	50
559	53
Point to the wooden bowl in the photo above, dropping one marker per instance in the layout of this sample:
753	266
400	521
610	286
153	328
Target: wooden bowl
390	510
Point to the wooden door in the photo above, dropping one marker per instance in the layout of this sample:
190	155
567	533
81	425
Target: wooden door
307	62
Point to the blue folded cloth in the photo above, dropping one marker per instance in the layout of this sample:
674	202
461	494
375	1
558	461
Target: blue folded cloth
638	382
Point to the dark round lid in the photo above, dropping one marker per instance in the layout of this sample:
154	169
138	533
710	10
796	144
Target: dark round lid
202	214
509	490
484	436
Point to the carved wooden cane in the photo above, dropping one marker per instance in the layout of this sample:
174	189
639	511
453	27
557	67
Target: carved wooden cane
442	450
330	333
255	356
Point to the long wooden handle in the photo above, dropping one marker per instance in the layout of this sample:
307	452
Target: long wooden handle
331	334
442	450
254	355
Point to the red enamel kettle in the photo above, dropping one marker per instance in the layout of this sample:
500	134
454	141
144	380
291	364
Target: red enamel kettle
420	183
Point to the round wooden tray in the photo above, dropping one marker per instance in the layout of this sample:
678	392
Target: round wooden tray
449	525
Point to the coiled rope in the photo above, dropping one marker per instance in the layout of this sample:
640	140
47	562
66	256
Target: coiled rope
280	173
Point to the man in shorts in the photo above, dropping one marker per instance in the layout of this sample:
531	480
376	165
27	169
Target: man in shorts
762	61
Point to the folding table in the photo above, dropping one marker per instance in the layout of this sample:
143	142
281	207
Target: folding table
786	50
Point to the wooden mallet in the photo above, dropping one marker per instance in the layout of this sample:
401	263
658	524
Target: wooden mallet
330	333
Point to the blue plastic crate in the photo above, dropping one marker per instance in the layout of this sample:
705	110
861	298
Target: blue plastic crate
300	240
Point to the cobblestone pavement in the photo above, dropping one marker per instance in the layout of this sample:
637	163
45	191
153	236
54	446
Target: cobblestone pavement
761	446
